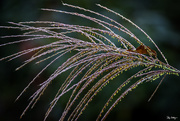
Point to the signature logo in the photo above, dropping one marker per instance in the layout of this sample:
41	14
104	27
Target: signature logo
171	117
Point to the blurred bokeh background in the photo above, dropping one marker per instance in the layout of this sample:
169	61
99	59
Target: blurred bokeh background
159	18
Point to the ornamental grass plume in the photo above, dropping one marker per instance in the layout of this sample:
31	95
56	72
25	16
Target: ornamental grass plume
96	59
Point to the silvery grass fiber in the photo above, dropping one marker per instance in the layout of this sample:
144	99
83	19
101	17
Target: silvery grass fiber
96	59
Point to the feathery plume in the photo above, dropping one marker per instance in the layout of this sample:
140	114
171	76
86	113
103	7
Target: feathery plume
97	55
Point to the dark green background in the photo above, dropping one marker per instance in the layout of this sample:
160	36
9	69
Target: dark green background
159	18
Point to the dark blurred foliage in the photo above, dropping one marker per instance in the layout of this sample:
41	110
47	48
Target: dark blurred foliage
159	18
